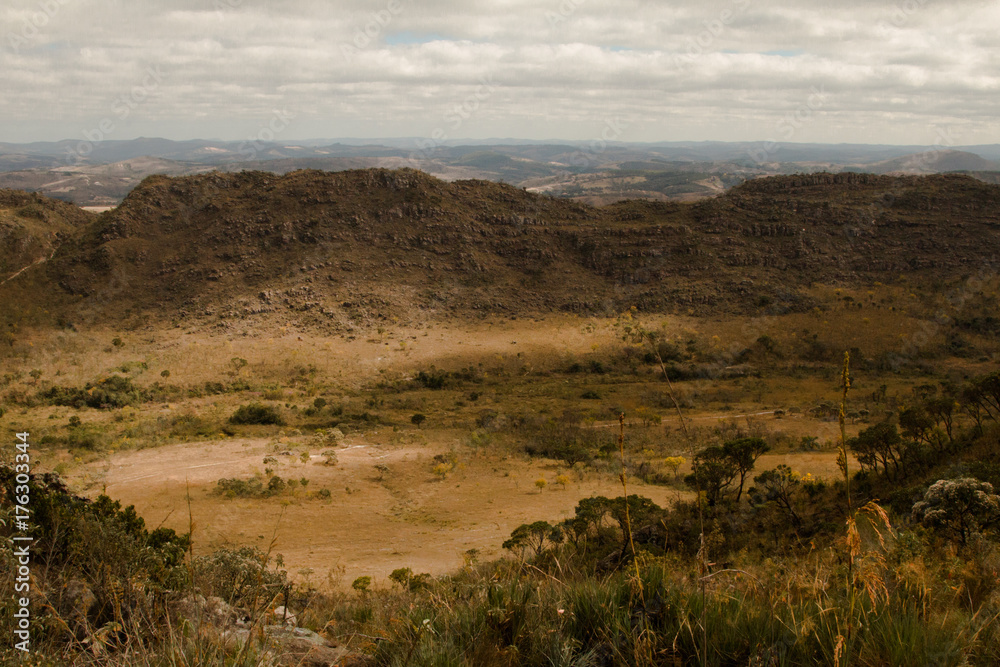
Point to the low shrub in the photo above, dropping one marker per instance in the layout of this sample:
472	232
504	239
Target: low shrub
257	413
108	394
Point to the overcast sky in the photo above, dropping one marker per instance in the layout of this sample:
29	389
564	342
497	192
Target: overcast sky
867	71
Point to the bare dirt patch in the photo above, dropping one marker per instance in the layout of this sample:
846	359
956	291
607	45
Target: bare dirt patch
411	518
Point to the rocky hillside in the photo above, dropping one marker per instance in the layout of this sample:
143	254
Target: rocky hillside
31	227
346	249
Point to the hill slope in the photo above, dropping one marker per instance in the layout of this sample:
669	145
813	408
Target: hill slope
31	227
338	250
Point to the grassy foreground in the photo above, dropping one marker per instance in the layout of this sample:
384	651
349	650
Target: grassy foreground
896	561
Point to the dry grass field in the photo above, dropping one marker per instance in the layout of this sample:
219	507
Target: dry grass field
373	522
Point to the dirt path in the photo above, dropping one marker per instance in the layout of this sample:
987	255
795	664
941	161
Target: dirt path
38	261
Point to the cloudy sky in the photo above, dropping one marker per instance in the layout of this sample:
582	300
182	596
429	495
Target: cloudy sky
867	71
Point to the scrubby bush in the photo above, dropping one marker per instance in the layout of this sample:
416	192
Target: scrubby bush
432	379
188	425
243	576
241	488
110	393
253	487
94	550
257	413
362	584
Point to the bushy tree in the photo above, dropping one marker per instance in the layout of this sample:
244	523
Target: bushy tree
674	463
744	452
715	468
942	411
641	511
533	536
243	576
591	512
712	471
959	508
879	445
916	424
981	398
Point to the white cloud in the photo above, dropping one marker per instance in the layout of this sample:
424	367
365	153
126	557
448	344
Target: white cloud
713	69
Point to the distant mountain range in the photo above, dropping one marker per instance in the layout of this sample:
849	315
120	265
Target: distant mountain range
101	174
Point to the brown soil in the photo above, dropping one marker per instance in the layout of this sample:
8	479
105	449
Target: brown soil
410	519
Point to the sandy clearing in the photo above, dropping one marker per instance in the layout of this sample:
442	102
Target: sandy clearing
410	519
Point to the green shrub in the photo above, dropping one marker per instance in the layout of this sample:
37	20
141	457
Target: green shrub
254	487
241	488
362	584
433	379
188	425
102	547
108	394
257	413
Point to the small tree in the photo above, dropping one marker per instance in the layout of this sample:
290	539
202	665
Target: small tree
879	445
712	471
918	425
649	416
778	486
382	469
562	480
275	485
674	463
418	419
533	536
981	398
743	453
959	508
541	484
591	512
640	511
942	411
